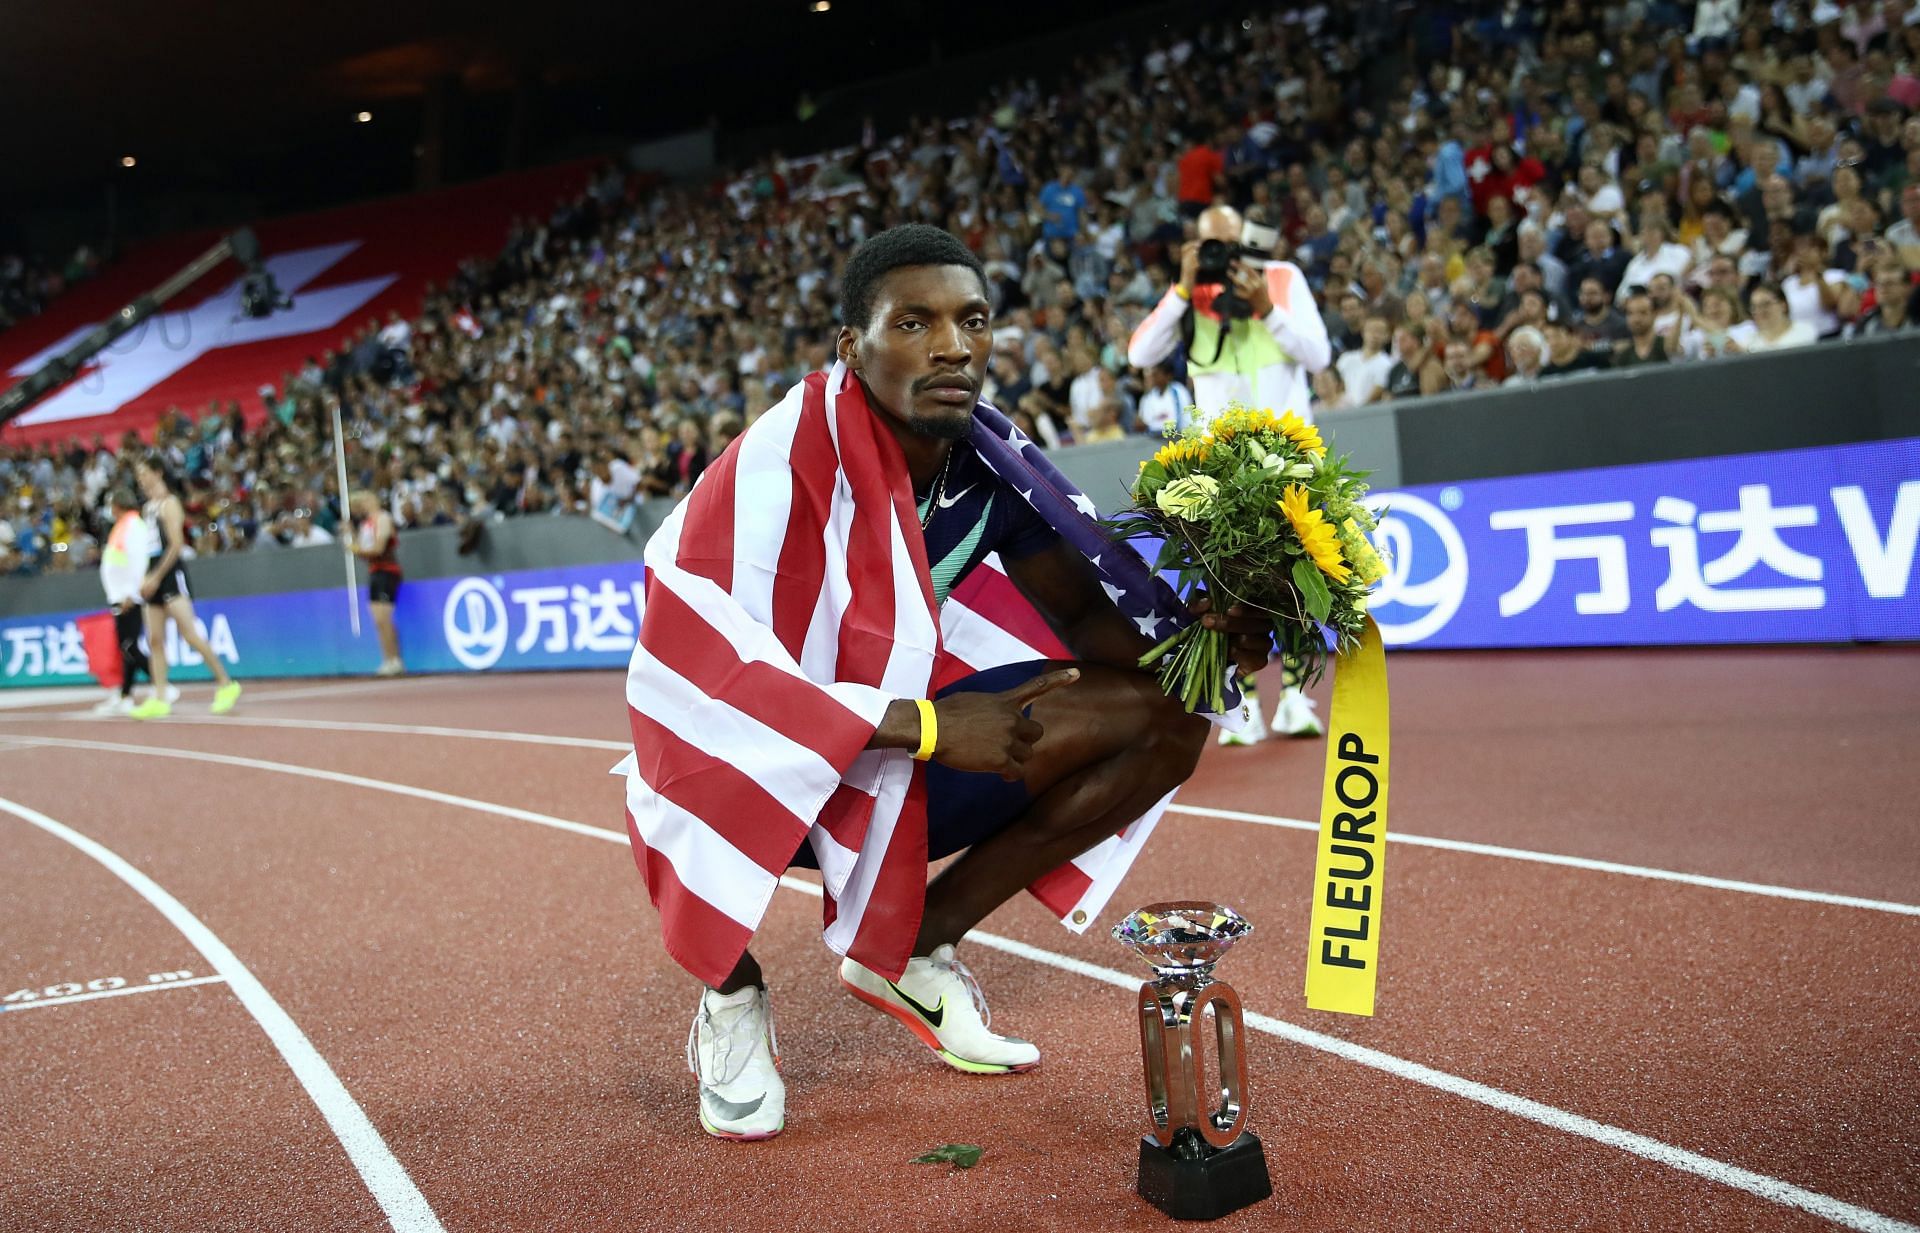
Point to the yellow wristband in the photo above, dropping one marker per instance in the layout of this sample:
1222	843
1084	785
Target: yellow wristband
929	730
1181	292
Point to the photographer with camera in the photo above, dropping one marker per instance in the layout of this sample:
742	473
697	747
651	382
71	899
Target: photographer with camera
1254	336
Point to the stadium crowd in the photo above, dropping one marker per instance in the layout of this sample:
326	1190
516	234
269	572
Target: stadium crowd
1545	190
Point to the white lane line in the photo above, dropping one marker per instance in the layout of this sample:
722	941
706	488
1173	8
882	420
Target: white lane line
1574	862
341	687
355	725
1589	864
399	1198
42	1003
15	698
1761	1185
314	772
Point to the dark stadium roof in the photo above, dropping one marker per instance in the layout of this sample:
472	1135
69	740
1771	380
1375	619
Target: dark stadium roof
205	92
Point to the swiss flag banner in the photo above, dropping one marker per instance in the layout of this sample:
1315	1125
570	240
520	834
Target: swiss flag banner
341	268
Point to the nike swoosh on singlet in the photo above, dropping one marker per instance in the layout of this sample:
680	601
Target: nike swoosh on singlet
933	1017
949	502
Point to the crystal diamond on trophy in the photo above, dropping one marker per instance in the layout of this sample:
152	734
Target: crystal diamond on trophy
1197	1162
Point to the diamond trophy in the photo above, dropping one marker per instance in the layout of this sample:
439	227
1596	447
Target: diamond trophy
1198	1162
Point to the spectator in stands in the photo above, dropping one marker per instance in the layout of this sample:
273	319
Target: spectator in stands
1166	404
1656	254
1330	391
1567	351
1905	234
1460	371
1526	356
1598	323
1710	334
1601	260
1816	293
1893	307
1772	329
1643	344
1364	372
1416	369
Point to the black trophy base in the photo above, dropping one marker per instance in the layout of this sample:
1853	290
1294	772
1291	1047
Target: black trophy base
1200	1182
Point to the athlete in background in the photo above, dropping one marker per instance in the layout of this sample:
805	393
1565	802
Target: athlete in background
374	542
123	565
165	591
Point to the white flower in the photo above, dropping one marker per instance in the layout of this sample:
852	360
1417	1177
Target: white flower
1190	498
1300	470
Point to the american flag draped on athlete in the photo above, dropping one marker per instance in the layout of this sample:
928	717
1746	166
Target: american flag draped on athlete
788	603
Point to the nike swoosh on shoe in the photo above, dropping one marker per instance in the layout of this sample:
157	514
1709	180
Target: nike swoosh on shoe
728	1109
933	1017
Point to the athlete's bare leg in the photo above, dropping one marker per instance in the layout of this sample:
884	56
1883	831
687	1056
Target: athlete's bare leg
181	610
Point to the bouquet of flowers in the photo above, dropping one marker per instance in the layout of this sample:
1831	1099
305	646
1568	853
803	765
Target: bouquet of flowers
1251	508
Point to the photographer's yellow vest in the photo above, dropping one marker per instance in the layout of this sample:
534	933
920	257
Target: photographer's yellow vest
1249	345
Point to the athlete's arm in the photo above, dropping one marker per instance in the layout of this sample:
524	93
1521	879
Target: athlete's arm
1062	584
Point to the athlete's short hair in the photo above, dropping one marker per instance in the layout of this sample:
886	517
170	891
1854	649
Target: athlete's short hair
897	248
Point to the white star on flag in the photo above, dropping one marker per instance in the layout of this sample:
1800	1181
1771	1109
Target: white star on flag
1148	624
1113	592
1084	505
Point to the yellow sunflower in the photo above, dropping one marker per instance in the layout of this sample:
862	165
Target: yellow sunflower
1317	535
1236	420
1302	434
1182	450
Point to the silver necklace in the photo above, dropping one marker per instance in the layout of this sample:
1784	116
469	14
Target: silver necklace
939	490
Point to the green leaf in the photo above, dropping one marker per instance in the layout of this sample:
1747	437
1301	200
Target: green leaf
959	1155
1313	588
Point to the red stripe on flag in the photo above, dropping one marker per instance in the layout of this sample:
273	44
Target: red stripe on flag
706	529
890	923
803	553
993	595
948	668
868	626
718	793
846	814
680	638
699	937
1059	889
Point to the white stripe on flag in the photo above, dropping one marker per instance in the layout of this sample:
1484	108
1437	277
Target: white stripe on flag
977	642
787	771
762	504
752	640
711	868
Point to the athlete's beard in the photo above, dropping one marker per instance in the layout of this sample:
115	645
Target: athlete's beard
934	424
940	427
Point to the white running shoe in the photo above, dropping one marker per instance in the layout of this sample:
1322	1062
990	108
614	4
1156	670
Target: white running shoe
173	694
390	667
1295	715
941	1003
732	1049
1251	732
113	704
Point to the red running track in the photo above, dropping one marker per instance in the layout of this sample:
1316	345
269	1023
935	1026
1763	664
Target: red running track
453	927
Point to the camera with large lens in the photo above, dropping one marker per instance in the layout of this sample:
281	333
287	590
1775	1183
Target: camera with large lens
1213	267
1214	262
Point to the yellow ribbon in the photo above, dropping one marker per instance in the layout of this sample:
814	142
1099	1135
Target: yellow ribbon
1343	948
